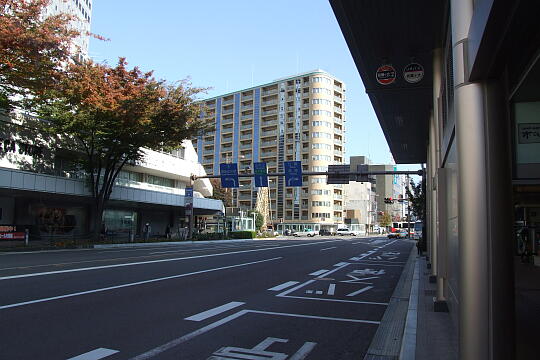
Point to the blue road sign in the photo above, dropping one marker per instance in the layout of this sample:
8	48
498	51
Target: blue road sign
229	175
293	173
189	195
260	171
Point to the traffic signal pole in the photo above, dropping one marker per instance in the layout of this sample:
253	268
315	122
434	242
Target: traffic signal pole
315	173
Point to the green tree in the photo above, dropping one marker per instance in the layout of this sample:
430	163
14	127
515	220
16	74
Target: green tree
417	198
219	193
107	116
259	219
385	219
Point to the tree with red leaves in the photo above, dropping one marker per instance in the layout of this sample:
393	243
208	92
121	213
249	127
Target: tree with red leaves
33	49
106	116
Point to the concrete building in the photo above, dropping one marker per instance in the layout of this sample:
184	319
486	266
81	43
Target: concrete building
300	118
383	186
81	10
459	91
37	192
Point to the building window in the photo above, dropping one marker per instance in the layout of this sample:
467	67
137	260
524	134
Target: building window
161	181
320	215
321	135
322	102
320	168
321	158
322	112
322	91
320	192
321	146
320	203
321	123
318	180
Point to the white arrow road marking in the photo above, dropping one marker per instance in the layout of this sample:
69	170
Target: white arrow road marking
304	351
95	354
215	311
358	280
341	264
360	291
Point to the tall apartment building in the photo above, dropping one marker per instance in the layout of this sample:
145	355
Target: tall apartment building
300	118
81	10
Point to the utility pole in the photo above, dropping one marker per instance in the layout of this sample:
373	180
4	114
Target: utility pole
408	209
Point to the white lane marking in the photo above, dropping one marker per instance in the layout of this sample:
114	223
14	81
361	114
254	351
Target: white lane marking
336	300
318	272
158	261
333	247
265	344
360	291
331	289
304	351
314	317
215	311
171	344
134	284
295	288
378	263
158	350
309	291
318	292
341	264
95	354
283	286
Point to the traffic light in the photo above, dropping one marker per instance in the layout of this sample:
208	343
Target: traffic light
388	200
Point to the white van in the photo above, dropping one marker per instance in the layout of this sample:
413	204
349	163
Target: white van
346	231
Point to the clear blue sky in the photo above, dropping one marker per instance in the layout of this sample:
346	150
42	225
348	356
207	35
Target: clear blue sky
223	44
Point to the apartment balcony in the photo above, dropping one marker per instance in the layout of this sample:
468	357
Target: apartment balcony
227	102
269	122
245	147
227	120
338	196
305	106
338	121
305	116
246	137
269	102
247	98
336	207
211	106
338	88
338	99
208	152
338	142
268	143
338	131
270	153
246	127
269	133
269	92
338	109
244	197
290	108
227	130
269	112
246	107
338	152
227	111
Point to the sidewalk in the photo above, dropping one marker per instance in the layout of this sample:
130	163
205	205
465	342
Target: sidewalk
436	336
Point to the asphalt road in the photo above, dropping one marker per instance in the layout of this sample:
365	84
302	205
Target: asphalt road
321	298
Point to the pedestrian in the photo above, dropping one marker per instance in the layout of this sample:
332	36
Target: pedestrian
419	247
168	231
146	231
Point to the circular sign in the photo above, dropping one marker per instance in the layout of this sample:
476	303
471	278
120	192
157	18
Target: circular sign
413	73
386	74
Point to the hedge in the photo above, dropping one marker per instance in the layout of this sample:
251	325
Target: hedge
242	235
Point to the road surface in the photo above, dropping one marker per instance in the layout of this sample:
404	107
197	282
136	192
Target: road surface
321	298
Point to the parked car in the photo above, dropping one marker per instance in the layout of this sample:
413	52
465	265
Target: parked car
308	233
400	234
326	232
347	231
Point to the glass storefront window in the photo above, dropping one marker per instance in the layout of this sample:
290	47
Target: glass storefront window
120	221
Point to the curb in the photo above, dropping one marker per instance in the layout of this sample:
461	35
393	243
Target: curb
408	344
388	340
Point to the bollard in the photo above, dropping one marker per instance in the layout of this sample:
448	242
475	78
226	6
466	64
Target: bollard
26	236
